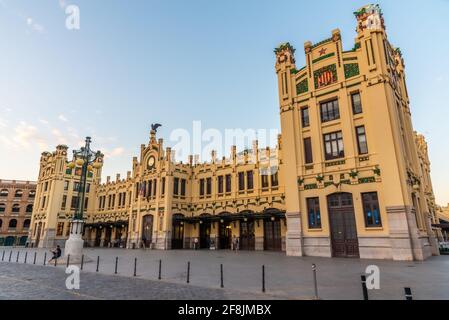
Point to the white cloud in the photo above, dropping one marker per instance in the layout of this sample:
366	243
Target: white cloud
43	121
62	118
23	136
114	153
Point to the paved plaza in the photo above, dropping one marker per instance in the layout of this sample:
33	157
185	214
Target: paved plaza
286	277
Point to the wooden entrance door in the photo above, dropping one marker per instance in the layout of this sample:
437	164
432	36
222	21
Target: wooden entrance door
205	235
147	230
225	235
178	235
343	227
272	235
247	238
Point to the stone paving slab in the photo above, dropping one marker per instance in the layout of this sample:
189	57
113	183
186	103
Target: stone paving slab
32	282
286	277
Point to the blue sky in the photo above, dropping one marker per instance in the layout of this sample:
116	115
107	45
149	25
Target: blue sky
136	62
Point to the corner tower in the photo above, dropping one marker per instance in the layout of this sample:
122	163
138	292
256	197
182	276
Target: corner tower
352	175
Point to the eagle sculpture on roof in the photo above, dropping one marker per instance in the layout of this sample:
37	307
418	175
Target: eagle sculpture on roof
154	126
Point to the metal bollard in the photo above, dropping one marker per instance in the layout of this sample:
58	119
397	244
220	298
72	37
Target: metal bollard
160	270
364	289
45	258
10	255
116	262
408	294
263	278
135	267
17	258
35	255
98	262
82	261
56	261
188	272
221	276
3	255
315	283
68	260
26	256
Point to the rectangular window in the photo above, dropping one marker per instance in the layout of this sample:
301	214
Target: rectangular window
175	186
250	180
149	188
329	111
228	183
308	150
163	186
154	187
43	202
209	186
66	185
274	177
264	181
88	187
201	187
183	187
76	186
333	145
241	181
46	186
60	229
220	184
371	210
356	103
86	203
361	140
313	213
305	117
64	202
74	203
113	201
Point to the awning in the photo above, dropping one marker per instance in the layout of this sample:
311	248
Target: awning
107	224
230	217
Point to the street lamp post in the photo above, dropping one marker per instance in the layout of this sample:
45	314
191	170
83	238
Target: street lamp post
88	160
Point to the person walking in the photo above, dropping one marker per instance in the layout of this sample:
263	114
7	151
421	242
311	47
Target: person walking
195	244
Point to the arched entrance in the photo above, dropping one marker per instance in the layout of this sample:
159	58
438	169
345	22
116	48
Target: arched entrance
272	234
205	227
177	241
224	232
147	230
23	240
108	235
247	234
342	225
9	241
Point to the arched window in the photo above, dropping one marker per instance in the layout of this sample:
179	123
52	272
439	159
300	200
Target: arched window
12	224
4	193
29	208
2	207
18	194
26	224
16	208
32	194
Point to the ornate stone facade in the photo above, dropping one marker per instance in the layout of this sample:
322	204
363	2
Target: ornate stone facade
349	178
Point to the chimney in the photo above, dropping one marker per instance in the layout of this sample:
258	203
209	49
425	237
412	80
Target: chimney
117	177
128	174
108	179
